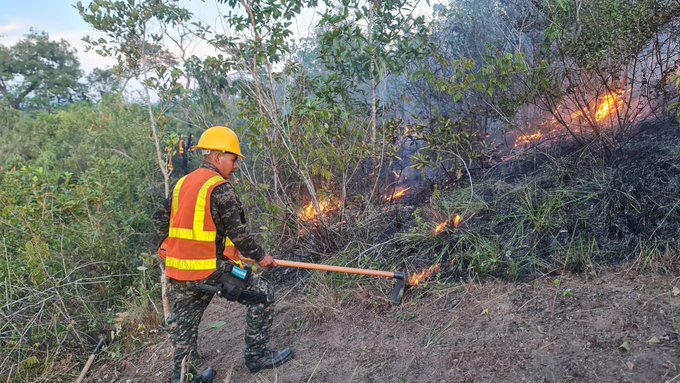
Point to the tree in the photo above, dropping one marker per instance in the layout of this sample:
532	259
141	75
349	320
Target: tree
37	72
130	39
134	33
101	82
363	42
611	60
257	41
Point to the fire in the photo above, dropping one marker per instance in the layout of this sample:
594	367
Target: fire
397	194
527	138
415	279
309	213
456	222
609	103
441	227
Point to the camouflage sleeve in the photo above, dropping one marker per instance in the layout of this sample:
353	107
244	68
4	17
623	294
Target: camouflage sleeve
230	220
161	219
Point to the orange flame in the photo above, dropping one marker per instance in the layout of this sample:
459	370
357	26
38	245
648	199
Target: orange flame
397	194
443	225
527	138
310	214
609	103
415	279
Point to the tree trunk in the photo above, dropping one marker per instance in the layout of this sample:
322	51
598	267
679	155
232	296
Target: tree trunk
166	182
17	102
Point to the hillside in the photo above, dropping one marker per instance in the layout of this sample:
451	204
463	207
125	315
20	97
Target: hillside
615	320
518	161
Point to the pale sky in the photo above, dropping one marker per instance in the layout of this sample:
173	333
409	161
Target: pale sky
56	17
61	21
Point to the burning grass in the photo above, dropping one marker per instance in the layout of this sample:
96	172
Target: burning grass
610	104
416	279
547	212
600	110
326	206
397	194
455	222
527	139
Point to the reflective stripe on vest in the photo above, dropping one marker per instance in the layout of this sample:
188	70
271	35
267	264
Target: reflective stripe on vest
191	250
193	264
197	232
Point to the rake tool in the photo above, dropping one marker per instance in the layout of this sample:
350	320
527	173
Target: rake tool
399	277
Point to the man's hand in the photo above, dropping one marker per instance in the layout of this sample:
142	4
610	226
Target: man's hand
267	261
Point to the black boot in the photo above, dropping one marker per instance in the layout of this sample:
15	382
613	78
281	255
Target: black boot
206	376
270	359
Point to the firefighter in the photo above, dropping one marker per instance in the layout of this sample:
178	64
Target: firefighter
180	145
205	227
183	154
168	159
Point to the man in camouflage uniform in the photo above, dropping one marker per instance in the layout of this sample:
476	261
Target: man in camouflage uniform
189	301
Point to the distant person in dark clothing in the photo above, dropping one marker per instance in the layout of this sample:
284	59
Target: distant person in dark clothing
183	154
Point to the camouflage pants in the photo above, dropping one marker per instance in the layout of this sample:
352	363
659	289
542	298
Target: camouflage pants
188	305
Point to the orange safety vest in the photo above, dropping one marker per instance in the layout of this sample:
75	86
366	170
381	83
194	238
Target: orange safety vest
190	251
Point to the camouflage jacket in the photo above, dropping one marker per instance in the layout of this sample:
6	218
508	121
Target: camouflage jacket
229	218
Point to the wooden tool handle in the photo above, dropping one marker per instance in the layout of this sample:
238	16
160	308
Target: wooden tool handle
89	361
335	269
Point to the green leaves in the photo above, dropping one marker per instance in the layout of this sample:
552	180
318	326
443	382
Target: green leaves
39	73
75	197
355	53
30	362
605	29
131	37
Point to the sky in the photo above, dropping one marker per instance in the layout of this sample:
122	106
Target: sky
56	17
61	21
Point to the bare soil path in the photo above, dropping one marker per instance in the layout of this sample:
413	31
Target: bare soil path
617	326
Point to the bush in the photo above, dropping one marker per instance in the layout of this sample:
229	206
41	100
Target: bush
75	207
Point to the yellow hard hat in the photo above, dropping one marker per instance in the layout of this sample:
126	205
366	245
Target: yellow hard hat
220	138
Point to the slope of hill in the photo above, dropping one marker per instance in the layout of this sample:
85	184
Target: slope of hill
615	318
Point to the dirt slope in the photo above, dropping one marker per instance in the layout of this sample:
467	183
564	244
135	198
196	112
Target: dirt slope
573	330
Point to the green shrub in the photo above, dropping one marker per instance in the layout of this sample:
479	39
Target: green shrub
76	197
